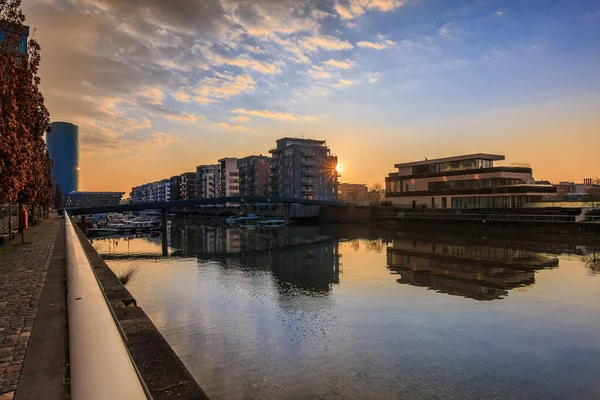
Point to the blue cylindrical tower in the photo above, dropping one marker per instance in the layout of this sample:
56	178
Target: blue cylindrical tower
63	146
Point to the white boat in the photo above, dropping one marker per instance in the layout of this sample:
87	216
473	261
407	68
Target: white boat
134	225
272	223
250	219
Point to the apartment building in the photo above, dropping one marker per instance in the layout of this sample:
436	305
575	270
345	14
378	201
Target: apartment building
254	175
187	187
353	193
303	169
229	177
207	181
466	181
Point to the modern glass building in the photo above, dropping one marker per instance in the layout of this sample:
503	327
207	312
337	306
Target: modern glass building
6	29
63	146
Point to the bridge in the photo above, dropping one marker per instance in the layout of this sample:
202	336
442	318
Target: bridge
164	205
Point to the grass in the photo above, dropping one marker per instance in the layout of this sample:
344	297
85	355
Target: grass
128	274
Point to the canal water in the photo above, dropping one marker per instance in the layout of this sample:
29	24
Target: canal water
341	312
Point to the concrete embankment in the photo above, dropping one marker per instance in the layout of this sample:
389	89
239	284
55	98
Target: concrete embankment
549	220
162	371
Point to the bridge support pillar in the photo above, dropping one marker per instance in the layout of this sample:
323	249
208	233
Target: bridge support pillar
163	232
286	212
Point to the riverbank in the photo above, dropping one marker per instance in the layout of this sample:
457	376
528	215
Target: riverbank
542	220
161	369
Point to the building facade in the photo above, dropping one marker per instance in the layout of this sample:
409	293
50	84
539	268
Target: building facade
159	191
468	181
93	199
254	175
229	177
175	187
63	147
188	187
303	169
353	193
207	181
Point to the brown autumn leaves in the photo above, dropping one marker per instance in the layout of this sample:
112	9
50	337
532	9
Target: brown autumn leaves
25	165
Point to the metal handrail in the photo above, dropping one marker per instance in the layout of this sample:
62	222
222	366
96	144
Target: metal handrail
100	364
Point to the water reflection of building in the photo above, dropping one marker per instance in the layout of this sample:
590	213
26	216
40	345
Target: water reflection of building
310	266
300	255
473	270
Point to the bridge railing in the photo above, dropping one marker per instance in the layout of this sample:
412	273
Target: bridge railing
100	364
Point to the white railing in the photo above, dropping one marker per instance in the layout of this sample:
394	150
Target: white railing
100	365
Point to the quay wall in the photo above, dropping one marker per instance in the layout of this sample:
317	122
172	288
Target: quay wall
547	220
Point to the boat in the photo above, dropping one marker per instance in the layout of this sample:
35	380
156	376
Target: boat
136	225
96	232
250	219
272	223
234	219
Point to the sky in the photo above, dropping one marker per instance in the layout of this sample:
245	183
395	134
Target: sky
159	87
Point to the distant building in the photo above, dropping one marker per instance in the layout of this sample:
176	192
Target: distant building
20	31
303	169
229	178
207	181
175	187
63	147
353	193
469	181
187	188
93	199
571	191
254	175
159	191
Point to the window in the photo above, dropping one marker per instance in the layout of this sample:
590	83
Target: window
433	202
444	202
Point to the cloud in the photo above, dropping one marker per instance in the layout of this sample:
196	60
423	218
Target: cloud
179	115
452	30
216	88
351	9
246	62
240	119
232	127
153	96
281	116
318	73
373	77
384	44
344	64
320	14
342	83
325	42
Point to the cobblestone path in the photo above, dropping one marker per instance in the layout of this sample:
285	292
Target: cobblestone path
22	275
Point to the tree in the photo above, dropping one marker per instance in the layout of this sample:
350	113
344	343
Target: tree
592	261
25	167
376	194
592	196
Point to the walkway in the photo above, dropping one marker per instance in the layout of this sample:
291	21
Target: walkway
23	273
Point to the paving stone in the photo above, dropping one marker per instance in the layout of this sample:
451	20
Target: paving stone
23	272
